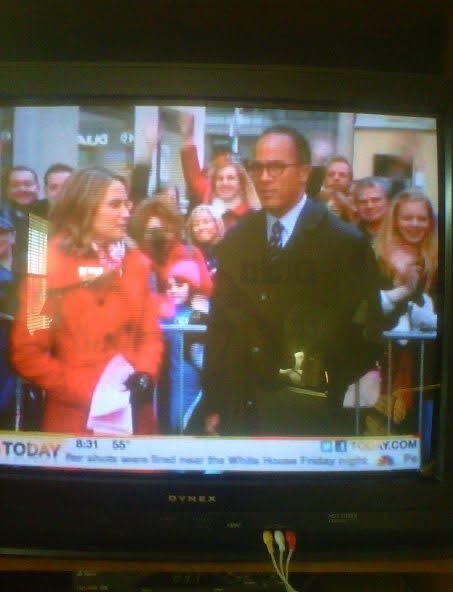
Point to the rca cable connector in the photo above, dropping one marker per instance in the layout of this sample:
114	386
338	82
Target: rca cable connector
282	540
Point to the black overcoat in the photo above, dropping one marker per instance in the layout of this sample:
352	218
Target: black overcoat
318	295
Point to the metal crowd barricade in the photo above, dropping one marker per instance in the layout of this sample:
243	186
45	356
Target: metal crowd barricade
181	330
391	337
421	337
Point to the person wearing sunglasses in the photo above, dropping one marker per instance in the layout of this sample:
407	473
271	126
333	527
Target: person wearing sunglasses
159	233
295	310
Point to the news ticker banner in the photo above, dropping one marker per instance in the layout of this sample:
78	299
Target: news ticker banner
209	454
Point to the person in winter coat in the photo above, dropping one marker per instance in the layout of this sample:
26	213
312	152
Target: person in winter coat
281	317
181	385
159	233
98	311
407	251
225	184
229	190
205	230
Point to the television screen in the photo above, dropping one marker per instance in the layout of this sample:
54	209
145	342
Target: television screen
218	288
225	308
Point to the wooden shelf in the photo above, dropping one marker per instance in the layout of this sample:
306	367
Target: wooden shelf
12	563
332	576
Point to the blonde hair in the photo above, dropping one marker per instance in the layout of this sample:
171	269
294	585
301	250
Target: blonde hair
388	237
72	215
248	191
204	209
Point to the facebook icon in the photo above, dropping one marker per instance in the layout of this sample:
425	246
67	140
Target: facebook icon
341	446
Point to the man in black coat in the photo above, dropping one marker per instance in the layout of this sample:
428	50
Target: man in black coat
295	313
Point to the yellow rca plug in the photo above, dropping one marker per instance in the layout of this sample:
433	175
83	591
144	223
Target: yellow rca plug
268	540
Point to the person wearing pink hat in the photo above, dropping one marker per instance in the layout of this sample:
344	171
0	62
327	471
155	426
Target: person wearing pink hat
182	283
184	350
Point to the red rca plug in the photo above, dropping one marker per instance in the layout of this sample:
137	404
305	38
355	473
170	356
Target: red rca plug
290	537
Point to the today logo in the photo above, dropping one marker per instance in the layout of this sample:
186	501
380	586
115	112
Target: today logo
29	449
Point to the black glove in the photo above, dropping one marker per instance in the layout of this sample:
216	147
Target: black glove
141	388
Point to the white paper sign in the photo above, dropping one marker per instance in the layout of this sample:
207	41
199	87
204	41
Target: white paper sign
110	411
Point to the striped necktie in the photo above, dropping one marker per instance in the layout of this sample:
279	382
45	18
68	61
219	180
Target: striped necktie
276	238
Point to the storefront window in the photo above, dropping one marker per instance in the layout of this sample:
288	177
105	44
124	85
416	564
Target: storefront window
106	138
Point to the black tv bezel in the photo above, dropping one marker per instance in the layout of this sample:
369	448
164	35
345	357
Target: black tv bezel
59	513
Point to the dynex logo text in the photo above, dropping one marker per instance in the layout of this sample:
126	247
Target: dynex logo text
192	499
29	449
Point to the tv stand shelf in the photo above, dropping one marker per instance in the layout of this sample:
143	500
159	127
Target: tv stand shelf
431	566
69	575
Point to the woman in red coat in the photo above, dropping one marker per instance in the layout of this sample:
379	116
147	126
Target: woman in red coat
102	318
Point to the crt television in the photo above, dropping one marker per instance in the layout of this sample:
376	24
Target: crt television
356	494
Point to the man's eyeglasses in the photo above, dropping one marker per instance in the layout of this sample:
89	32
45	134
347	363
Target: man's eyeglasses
274	168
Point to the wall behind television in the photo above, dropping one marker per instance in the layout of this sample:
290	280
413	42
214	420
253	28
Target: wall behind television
394	35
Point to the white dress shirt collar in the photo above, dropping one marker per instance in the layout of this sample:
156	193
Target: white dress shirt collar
288	220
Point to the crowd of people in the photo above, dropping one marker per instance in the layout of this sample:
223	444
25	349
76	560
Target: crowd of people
295	291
